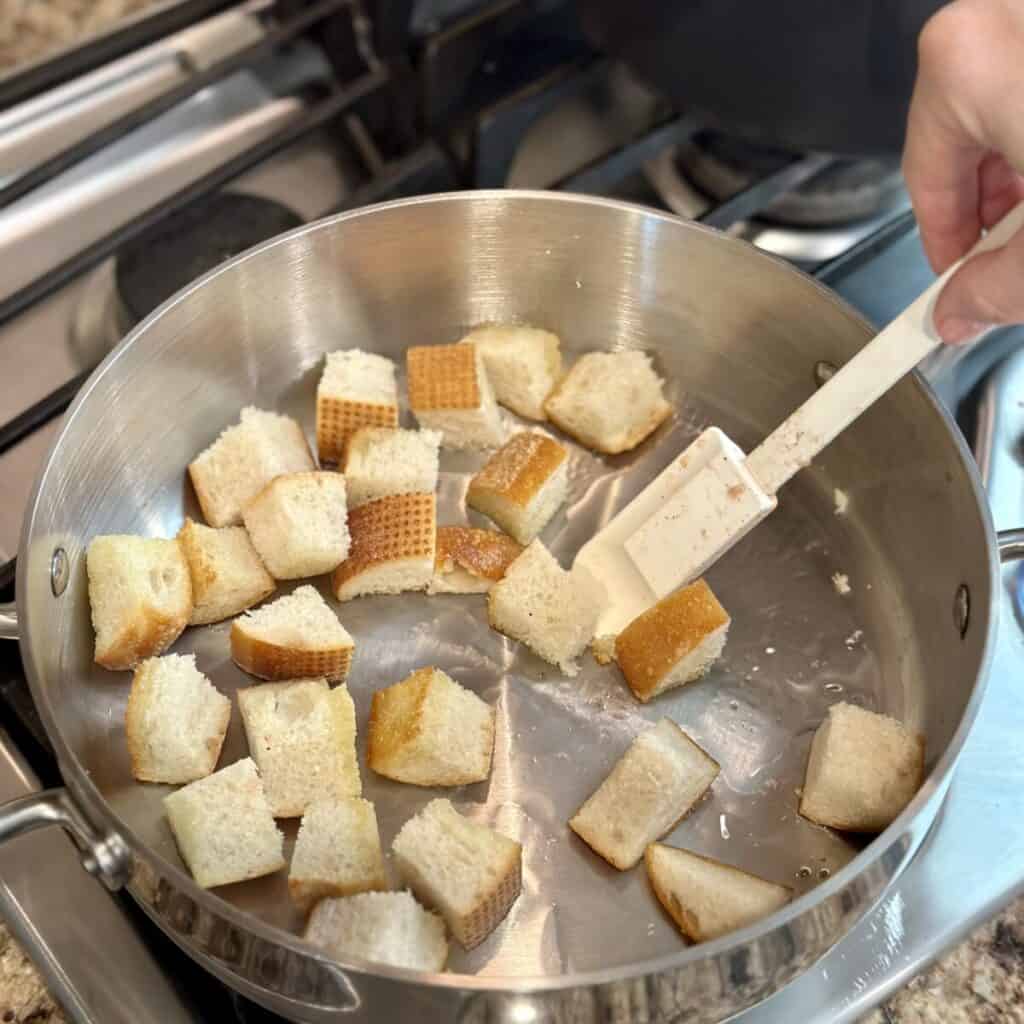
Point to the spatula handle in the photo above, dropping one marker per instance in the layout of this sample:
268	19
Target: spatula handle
880	364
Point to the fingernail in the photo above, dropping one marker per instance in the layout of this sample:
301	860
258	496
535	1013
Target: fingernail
958	330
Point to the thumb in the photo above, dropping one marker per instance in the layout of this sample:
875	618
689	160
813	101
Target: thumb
986	291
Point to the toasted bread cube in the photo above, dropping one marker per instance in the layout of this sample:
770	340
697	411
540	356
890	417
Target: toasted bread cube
299	524
609	401
470	560
552	611
175	721
523	485
227	573
223	827
357	389
297	636
393	546
384	927
674	642
706	898
243	460
381	462
523	364
864	768
468	872
659	778
449	391
337	851
140	596
429	731
302	735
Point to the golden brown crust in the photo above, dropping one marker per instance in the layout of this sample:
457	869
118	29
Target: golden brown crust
337	419
519	469
273	661
484	553
442	377
652	644
396	718
491	909
306	893
397	527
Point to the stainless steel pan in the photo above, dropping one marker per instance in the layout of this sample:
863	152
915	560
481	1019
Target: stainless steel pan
741	340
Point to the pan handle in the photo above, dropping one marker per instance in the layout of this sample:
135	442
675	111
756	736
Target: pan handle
106	857
8	620
1011	545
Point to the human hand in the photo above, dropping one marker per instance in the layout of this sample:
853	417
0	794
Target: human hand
964	158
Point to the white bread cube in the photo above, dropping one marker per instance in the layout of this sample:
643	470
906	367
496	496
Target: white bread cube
381	461
673	642
468	872
299	524
337	851
449	391
393	547
175	721
523	364
429	731
223	827
609	401
383	927
227	574
302	736
522	485
357	389
243	460
706	898
140	596
297	636
552	611
469	560
864	768
659	778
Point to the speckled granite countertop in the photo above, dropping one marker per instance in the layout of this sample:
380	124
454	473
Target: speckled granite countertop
980	982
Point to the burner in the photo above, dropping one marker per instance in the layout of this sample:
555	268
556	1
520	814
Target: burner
845	191
178	250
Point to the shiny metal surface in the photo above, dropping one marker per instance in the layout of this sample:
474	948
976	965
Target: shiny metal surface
8	621
737	336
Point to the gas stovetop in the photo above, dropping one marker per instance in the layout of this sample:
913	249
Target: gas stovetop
279	120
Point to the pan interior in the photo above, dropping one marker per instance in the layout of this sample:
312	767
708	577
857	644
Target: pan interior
737	338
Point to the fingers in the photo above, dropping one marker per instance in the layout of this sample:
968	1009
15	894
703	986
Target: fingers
987	290
1001	188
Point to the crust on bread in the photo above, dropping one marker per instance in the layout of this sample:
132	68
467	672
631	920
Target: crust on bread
279	662
484	553
443	377
337	419
519	469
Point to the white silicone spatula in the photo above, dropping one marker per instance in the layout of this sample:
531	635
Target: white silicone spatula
713	494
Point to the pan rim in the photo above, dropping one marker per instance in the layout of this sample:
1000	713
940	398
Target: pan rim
932	790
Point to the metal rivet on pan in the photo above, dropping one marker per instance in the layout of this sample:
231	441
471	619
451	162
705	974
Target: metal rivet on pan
962	609
59	572
823	371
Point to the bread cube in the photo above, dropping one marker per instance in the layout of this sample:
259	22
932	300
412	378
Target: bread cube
673	642
381	462
337	851
609	401
393	546
469	560
659	778
468	872
706	898
523	364
299	524
243	460
223	827
449	391
552	611
864	768
298	636
302	735
140	597
175	721
227	573
429	731
383	927
523	485
357	389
